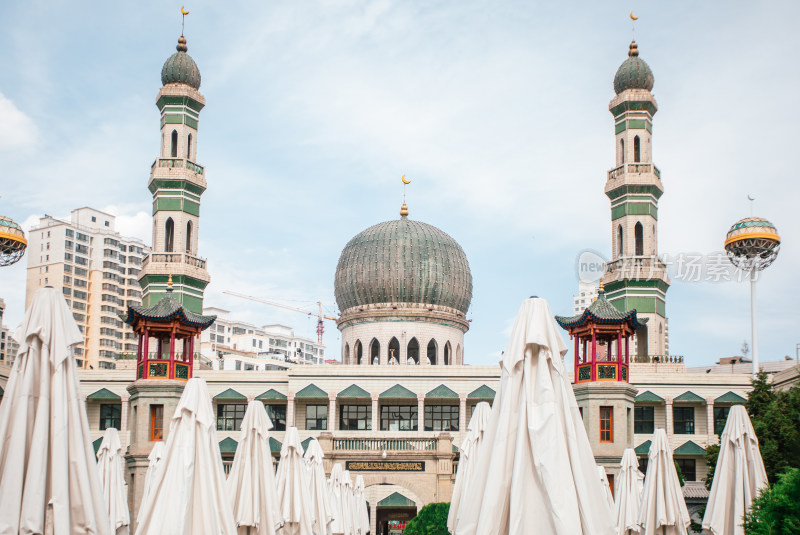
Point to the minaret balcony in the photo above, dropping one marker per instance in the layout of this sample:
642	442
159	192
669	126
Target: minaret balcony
634	169
636	267
177	162
174	258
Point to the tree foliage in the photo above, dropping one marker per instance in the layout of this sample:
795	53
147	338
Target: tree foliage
775	511
431	520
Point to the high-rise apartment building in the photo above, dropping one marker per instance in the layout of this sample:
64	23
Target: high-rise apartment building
97	270
8	346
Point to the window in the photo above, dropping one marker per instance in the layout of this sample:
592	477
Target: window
606	424
110	415
644	420
189	147
432	350
683	420
189	237
156	422
720	418
688	467
636	149
619	240
643	464
374	351
610	478
277	413
229	416
638	236
622	150
174	148
169	235
355	418
441	417
399	418
316	417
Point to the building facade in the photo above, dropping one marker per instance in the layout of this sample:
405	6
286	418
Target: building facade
96	268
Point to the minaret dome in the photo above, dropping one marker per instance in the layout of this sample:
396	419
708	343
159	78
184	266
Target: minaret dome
634	73
180	68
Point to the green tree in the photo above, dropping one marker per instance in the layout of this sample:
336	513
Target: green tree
775	511
431	520
760	397
712	453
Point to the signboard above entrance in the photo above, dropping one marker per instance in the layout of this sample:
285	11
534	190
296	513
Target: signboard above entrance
385	466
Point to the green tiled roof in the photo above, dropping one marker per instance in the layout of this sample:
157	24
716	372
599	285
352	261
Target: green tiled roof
306	442
270	394
398	392
730	397
180	68
643	448
96	444
601	311
312	391
441	392
648	396
354	392
455	449
104	394
689	448
274	445
396	500
690	397
166	309
230	395
228	445
634	73
482	392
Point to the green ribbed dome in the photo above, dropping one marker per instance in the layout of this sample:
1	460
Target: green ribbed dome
180	68
403	261
634	73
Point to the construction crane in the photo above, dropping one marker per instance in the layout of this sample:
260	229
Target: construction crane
319	315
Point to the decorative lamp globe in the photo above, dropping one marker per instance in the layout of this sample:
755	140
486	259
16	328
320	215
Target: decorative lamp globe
752	244
12	242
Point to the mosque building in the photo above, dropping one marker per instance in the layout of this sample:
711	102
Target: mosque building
396	409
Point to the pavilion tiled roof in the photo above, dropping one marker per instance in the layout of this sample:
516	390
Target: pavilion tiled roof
601	311
167	308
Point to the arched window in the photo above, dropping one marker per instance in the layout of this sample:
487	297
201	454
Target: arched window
660	337
174	150
357	352
189	147
447	353
346	359
413	350
169	235
622	151
620	237
374	351
641	341
189	237
432	350
636	150
638	235
394	350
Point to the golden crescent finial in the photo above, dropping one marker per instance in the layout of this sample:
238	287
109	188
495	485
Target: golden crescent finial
183	11
634	17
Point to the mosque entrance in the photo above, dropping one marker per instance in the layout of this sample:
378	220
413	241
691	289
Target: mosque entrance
393	520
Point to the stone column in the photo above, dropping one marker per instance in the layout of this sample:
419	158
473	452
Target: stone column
123	424
462	412
290	410
712	439
403	356
383	354
420	413
375	413
668	408
332	426
373	518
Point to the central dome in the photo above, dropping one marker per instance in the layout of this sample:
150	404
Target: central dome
403	261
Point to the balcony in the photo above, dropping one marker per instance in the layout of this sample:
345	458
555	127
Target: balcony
174	258
378	445
177	162
633	169
636	266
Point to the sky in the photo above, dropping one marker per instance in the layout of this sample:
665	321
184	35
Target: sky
496	111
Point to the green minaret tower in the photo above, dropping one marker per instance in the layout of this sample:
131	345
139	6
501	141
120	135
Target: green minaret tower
177	182
636	278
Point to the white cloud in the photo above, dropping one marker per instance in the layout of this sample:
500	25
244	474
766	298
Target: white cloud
17	130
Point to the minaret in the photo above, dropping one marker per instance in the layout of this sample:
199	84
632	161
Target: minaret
177	182
636	278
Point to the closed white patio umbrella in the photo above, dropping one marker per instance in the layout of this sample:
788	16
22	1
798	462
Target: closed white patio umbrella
49	481
251	481
153	461
335	490
348	504
536	469
111	464
663	510
469	451
738	477
361	515
322	512
628	498
188	493
293	491
601	473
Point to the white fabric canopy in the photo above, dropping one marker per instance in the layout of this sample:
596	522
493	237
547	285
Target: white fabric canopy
601	473
347	504
738	477
470	448
188	493
49	481
251	481
153	461
293	492
361	518
335	492
663	510
536	467
629	484
111	464
321	510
